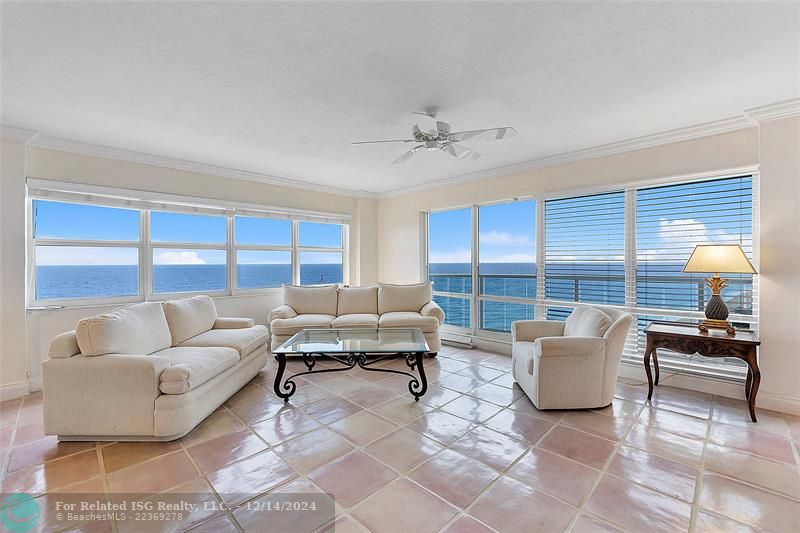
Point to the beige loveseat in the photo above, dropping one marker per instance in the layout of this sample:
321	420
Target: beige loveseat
149	371
570	364
379	307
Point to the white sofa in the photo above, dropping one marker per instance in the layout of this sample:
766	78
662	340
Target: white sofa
378	307
148	371
570	364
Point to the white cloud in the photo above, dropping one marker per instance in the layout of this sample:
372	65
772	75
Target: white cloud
503	238
688	230
683	233
178	257
452	256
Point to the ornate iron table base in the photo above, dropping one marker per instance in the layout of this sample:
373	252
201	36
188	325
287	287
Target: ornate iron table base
417	386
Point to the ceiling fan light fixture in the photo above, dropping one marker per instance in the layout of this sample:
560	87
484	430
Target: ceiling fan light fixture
445	140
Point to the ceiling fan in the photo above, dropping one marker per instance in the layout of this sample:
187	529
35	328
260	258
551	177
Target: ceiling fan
443	139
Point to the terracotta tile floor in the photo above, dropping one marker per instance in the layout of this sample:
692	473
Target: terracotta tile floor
473	455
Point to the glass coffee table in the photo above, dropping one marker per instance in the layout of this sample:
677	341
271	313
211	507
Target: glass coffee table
365	348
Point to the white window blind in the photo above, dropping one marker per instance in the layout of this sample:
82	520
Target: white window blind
670	221
585	250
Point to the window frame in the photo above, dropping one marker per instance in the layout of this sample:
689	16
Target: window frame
118	198
150	246
298	249
233	278
33	243
631	352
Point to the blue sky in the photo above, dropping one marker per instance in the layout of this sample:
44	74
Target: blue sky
671	220
506	234
57	220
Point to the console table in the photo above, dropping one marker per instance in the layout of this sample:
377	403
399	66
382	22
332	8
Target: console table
686	338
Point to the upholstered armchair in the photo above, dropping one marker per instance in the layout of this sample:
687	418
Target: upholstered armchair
571	364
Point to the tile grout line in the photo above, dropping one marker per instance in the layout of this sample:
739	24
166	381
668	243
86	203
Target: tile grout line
603	471
698	486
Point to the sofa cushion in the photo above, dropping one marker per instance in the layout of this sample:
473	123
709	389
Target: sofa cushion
290	326
409	319
136	329
393	298
358	300
243	340
319	300
586	322
356	320
189	317
191	367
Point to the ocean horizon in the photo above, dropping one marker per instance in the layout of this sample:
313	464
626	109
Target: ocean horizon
660	285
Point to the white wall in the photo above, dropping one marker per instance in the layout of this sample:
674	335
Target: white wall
13	363
774	145
25	336
780	263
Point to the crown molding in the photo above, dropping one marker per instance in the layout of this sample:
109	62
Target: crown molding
787	108
749	118
638	143
106	152
11	133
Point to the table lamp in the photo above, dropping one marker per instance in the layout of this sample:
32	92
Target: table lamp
716	258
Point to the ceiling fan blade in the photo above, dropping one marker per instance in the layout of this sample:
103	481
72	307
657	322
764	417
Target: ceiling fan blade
442	127
408	154
388	141
459	151
495	133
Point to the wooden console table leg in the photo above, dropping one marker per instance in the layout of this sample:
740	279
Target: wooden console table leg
647	352
748	383
655	365
752	364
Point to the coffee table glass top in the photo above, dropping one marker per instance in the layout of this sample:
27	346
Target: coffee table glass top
331	341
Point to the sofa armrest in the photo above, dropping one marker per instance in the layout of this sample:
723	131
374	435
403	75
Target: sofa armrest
545	347
283	311
233	323
97	395
432	309
64	345
530	330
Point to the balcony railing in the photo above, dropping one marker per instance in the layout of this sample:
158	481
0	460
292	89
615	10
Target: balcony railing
679	293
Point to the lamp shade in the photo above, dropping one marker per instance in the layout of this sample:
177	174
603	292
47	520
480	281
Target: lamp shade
719	258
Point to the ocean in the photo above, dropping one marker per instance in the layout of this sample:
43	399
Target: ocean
67	281
659	285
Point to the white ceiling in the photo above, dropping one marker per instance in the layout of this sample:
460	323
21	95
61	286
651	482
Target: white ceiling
283	88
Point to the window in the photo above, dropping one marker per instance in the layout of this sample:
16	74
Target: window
85	251
450	263
585	249
321	253
506	263
189	252
263	252
670	221
104	248
623	248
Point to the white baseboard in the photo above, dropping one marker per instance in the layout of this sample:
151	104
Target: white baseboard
35	384
10	391
778	402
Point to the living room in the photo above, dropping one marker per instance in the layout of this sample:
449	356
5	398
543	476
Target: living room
296	255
